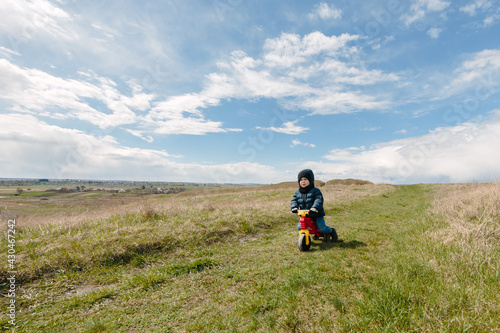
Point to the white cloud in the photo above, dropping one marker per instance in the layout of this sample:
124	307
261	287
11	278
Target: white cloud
490	20
420	8
140	134
325	12
26	20
452	154
476	5
97	100
291	49
479	73
281	75
8	52
33	148
402	131
434	32
297	86
434	5
34	91
334	71
169	116
484	7
287	128
245	77
296	143
469	9
331	102
190	126
190	103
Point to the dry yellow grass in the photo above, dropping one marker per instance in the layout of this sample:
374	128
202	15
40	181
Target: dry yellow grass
340	192
472	212
468	231
277	196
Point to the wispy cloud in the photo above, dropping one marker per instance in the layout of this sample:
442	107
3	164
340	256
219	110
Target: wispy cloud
296	143
189	125
434	32
291	49
140	134
371	129
325	11
480	72
485	10
8	52
490	20
420	8
32	19
287	128
475	6
331	102
37	92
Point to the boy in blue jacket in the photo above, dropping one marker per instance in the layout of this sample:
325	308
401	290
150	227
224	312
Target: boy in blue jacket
310	197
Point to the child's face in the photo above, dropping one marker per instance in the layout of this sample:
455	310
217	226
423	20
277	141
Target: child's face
304	182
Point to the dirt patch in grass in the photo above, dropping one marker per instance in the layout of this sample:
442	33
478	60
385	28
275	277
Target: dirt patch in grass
81	290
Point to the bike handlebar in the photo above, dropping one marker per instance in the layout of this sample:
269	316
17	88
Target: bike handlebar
303	212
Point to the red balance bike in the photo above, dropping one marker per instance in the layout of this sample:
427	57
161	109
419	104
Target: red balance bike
307	228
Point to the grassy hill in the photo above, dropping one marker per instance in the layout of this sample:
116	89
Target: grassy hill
348	181
409	258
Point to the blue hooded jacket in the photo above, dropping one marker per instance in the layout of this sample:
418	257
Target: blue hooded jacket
309	199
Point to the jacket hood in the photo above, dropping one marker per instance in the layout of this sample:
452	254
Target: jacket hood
308	173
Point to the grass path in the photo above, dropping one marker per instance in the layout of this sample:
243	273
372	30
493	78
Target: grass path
380	277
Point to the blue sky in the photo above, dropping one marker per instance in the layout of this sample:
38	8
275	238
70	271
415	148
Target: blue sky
250	91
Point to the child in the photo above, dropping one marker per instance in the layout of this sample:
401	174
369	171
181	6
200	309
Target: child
310	197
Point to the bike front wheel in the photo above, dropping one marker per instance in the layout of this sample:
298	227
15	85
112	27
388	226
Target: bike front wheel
302	243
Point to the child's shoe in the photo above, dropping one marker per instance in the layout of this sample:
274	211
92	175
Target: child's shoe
333	235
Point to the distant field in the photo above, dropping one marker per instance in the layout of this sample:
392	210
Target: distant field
40	204
420	258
